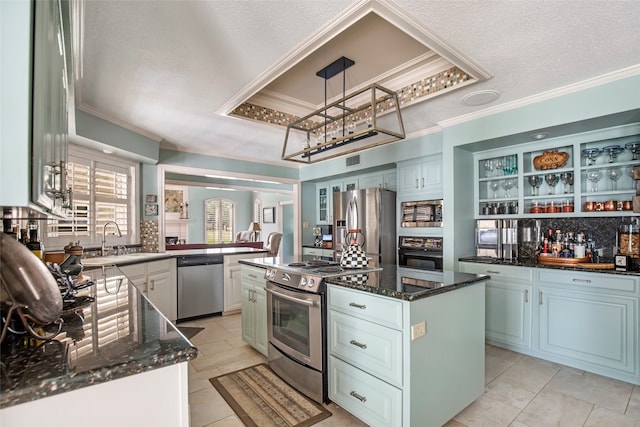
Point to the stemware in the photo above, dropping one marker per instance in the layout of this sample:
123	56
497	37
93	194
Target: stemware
494	186
629	170
535	181
552	179
591	154
567	179
613	151
507	185
614	175
594	176
499	165
488	168
634	147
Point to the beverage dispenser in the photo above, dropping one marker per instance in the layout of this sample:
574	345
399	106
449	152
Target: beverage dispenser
628	238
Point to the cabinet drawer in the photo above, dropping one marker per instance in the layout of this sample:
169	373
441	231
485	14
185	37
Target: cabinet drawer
585	280
159	266
367	345
496	271
381	310
312	251
368	398
249	272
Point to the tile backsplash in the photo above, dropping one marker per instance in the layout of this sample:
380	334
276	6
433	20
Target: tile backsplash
602	230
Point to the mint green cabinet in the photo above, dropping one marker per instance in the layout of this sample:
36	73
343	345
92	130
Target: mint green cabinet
582	319
254	307
421	178
508	304
385	375
590	321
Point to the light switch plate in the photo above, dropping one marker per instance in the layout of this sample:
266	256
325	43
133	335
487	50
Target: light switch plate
418	330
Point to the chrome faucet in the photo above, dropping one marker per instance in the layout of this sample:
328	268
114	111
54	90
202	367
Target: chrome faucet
104	248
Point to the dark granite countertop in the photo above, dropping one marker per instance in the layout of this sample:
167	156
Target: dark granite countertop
408	284
403	283
119	333
531	262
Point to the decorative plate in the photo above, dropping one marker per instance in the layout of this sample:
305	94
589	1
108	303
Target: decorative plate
550	159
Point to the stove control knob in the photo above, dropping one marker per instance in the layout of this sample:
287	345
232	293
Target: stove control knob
303	281
311	283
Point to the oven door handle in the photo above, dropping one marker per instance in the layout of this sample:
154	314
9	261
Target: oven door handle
292	299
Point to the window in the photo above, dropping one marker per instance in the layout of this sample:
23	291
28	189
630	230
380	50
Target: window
103	190
219	221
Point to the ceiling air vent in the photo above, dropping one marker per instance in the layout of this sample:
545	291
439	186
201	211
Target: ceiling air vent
353	160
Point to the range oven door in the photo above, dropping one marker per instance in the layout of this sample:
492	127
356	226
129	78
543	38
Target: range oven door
295	324
420	259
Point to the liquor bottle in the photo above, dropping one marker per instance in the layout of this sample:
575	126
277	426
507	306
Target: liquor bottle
34	243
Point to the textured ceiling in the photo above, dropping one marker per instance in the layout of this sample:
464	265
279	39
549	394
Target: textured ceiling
167	68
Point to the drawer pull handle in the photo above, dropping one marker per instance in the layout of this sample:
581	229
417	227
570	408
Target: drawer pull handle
582	280
357	344
357	396
493	272
526	295
360	306
540	297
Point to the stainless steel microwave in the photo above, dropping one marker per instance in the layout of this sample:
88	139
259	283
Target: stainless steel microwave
423	213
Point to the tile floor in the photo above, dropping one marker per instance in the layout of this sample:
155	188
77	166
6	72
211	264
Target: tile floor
521	391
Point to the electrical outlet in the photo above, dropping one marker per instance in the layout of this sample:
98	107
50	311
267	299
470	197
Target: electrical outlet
418	330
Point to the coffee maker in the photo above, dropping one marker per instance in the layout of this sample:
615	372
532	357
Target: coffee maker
497	239
628	245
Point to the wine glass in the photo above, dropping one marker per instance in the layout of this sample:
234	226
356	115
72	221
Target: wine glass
613	151
634	147
594	176
535	181
591	154
552	179
507	185
488	167
499	165
494	186
567	179
614	175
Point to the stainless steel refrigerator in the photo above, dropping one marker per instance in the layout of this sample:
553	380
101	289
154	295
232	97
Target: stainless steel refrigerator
373	211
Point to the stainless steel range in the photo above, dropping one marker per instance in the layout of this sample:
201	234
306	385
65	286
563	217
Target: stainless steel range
297	323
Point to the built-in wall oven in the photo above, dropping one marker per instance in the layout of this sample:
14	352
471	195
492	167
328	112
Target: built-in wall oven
424	253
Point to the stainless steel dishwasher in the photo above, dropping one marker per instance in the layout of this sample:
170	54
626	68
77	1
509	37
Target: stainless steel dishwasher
200	286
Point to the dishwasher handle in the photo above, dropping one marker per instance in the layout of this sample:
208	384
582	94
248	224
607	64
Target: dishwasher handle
189	261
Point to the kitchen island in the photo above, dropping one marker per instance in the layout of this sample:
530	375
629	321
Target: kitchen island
117	361
406	348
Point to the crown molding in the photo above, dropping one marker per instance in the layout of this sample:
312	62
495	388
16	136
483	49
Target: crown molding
544	96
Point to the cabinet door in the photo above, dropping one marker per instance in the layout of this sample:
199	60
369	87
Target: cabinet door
370	181
137	274
158	290
508	313
260	319
594	328
322	200
409	178
431	178
232	288
247	314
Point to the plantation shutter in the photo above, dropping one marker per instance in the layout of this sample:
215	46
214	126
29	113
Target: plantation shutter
219	220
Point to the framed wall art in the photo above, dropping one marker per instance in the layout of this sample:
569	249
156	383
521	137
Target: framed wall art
269	215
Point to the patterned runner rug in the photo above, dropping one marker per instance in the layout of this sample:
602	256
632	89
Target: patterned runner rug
261	399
